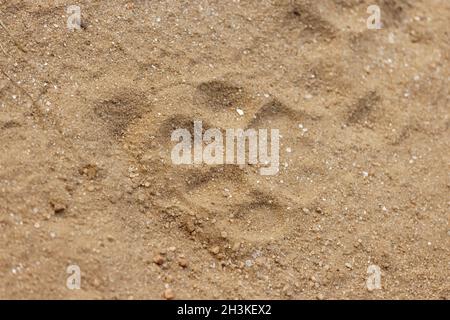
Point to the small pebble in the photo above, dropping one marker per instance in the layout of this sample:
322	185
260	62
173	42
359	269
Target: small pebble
158	259
215	250
183	262
236	247
168	294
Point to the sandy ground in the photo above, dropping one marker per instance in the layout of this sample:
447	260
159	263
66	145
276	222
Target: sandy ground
86	176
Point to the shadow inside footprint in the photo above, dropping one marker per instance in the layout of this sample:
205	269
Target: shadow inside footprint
219	95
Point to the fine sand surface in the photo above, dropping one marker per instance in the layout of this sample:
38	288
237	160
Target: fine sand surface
86	176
